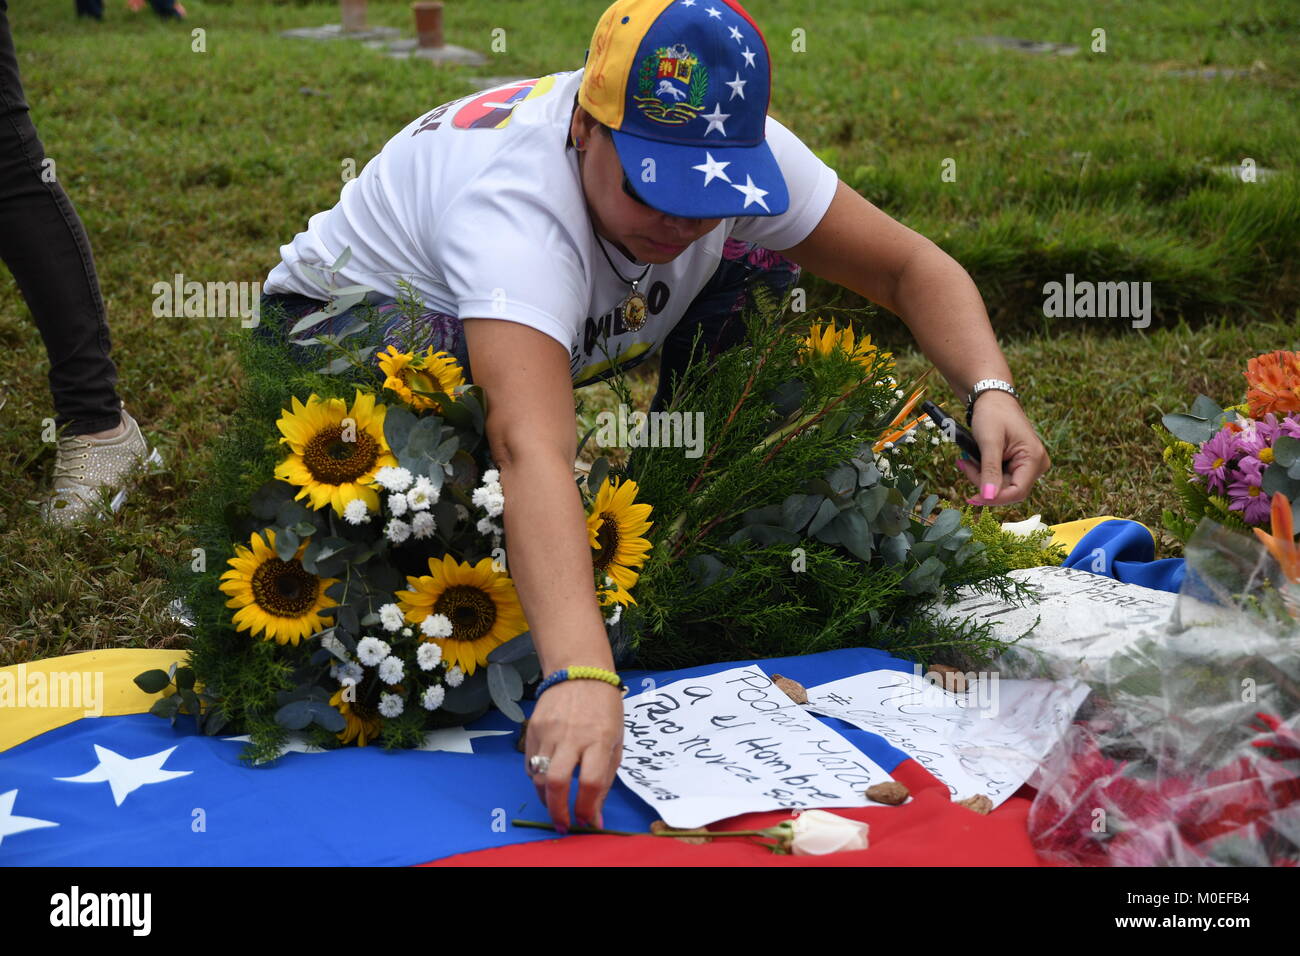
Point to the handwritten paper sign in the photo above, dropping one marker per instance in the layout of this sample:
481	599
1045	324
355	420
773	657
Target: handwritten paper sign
704	749
1084	621
985	741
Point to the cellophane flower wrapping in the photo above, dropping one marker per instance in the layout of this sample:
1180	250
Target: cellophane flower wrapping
1187	751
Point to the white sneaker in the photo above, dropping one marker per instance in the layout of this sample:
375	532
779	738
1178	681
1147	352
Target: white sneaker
91	474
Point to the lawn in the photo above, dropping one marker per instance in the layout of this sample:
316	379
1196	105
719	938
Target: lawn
1099	164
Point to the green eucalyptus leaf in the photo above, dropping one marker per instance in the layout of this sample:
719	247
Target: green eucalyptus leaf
398	423
294	715
153	681
184	678
945	524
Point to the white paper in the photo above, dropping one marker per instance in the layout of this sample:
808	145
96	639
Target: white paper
1078	612
985	741
704	749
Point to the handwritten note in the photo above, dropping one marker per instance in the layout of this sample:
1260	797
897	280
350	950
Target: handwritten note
704	749
985	741
1084	621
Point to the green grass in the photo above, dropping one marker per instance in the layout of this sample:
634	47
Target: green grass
204	163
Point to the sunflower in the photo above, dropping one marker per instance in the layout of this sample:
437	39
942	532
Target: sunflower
823	340
336	450
615	527
412	376
480	602
1274	383
363	721
278	599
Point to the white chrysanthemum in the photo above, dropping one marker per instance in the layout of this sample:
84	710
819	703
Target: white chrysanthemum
407	632
397	531
433	697
491	476
436	625
428	655
356	512
487	526
423	525
371	650
898	393
351	673
390	705
391	669
390	615
393	479
934	441
618	613
462	513
345	674
423	495
454	676
397	504
490	499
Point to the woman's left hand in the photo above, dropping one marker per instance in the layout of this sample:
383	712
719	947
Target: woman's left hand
1007	440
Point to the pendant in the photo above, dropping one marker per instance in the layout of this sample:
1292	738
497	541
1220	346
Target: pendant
635	311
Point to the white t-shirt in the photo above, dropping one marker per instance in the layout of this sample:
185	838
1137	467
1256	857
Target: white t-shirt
480	207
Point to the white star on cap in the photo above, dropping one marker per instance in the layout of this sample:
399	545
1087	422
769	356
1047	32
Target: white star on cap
11	823
736	35
737	86
716	118
124	774
749	56
712	169
752	193
714	13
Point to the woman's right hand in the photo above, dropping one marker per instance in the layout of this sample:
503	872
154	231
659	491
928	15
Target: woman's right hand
577	723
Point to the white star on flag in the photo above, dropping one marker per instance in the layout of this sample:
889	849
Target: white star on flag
714	13
11	823
712	169
735	34
125	774
752	193
749	57
688	3
737	86
716	118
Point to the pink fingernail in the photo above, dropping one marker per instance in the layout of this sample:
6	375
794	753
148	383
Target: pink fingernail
989	490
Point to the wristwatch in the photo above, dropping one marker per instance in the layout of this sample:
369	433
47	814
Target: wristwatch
985	385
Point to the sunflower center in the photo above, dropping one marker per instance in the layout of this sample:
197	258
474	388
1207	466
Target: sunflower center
284	589
333	461
471	612
606	542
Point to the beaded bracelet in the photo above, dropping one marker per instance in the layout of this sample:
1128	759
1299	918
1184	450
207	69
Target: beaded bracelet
582	671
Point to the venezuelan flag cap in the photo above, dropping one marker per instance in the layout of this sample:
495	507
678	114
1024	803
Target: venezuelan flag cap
684	85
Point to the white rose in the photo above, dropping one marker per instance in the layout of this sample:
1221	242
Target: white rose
1024	528
817	832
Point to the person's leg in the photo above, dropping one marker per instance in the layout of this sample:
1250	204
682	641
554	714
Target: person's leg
716	314
43	243
91	8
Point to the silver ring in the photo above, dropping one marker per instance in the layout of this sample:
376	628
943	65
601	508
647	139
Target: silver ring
539	764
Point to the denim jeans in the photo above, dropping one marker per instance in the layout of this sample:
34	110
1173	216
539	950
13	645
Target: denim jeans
717	311
44	245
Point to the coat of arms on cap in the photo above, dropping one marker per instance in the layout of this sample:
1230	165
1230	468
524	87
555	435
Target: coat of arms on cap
671	85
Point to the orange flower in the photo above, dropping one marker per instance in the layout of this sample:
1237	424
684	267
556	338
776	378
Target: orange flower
1281	543
1274	383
